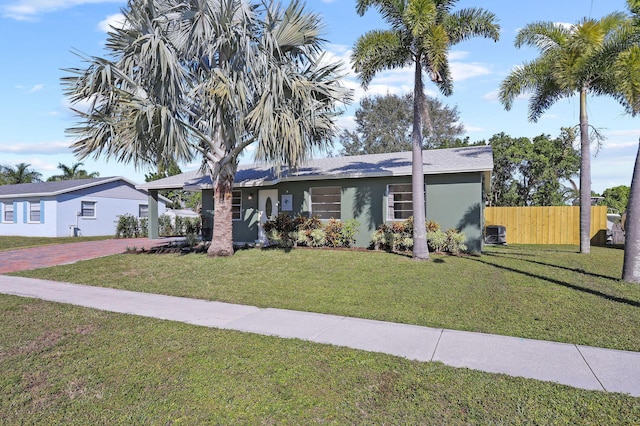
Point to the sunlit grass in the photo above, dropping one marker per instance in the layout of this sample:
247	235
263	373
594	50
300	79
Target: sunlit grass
14	243
539	292
68	365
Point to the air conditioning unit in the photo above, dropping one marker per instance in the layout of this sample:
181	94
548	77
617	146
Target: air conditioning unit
495	234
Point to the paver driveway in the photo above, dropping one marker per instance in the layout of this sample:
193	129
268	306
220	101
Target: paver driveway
60	254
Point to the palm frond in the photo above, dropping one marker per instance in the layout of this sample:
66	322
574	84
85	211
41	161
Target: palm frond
471	22
543	35
379	50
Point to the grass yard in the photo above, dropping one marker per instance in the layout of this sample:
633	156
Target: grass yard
61	364
14	243
539	292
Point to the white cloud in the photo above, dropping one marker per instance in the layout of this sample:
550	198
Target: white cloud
465	70
457	55
492	96
474	129
347	122
29	10
36	88
112	21
42	148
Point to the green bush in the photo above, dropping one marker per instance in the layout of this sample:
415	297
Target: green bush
165	226
127	226
398	237
287	231
143	226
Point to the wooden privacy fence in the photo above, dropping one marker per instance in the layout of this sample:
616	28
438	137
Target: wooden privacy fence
547	225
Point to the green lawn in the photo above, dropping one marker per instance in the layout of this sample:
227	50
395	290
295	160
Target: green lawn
550	292
14	243
62	364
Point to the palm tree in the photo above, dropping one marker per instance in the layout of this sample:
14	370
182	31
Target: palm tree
422	31
208	78
627	75
570	63
72	172
20	173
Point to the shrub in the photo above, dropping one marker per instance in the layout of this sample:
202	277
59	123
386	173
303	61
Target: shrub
287	231
398	237
127	226
455	241
165	226
143	226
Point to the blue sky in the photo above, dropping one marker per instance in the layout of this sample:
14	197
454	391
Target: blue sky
37	38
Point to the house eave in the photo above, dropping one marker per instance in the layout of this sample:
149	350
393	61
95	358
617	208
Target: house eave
66	190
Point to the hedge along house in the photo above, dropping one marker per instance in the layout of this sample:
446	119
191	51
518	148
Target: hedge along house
373	189
88	207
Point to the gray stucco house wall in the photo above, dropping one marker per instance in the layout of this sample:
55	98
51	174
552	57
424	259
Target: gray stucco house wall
456	181
88	207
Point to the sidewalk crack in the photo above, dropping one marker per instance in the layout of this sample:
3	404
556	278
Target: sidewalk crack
437	344
590	369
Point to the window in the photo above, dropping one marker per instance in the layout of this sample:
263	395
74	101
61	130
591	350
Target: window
399	202
34	211
8	213
236	205
88	209
143	210
325	202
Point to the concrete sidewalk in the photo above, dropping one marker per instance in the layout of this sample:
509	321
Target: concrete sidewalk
574	365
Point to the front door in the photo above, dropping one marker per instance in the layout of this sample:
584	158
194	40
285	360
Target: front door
267	208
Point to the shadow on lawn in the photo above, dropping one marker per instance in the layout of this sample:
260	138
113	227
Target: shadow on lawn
578	270
562	283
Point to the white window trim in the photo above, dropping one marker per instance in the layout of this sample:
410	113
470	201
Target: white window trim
236	194
339	204
390	204
30	204
139	210
4	210
95	210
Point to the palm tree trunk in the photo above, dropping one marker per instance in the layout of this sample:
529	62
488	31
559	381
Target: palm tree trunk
585	177
631	265
420	248
222	239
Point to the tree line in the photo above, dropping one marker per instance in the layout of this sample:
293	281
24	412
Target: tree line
537	171
24	173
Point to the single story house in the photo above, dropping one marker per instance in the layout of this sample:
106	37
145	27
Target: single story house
87	207
373	189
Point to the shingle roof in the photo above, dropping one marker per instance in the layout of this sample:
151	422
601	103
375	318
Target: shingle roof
45	189
436	161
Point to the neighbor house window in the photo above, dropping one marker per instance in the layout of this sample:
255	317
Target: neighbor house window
236	205
325	202
7	212
34	211
399	202
143	210
88	209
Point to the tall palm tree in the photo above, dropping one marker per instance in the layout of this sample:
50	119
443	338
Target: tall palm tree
72	172
570	63
208	78
20	173
627	75
421	33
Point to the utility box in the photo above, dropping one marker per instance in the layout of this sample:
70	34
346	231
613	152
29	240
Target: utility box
495	234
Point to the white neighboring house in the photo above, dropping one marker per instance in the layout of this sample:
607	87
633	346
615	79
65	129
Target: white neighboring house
87	207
